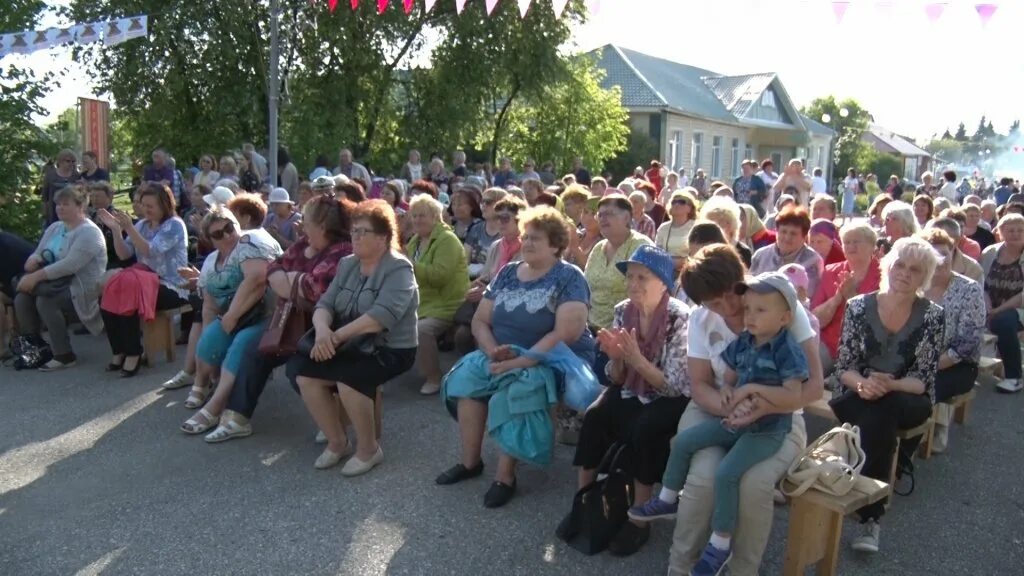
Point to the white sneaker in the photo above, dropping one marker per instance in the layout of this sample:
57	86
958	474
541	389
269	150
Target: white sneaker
54	365
430	388
355	466
868	540
180	380
1010	386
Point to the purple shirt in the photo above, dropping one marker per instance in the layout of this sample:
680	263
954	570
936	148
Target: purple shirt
154	174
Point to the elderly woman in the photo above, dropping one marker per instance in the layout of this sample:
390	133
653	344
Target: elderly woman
250	210
650	386
710	278
62	276
924	209
233	282
824	239
365	335
159	242
652	207
1003	266
783	201
101	197
875	218
962	263
506	249
973	228
726	213
534	304
438	176
790	247
641	222
480	238
963	303
443	279
614	215
303	272
898	222
888	357
588	235
466	211
793	182
752	230
673	236
63	174
858	274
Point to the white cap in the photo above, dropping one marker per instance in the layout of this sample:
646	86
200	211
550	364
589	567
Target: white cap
341	179
220	195
279	196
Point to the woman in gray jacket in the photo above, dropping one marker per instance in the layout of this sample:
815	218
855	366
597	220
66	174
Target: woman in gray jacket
365	335
63	276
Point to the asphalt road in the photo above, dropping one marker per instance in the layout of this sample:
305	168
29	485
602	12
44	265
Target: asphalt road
96	478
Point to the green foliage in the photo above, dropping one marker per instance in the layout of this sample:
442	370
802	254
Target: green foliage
881	164
961	133
849	129
639	151
947	149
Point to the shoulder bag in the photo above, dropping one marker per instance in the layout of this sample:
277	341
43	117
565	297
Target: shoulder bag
289	323
831	464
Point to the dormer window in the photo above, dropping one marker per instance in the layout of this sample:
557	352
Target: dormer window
768	99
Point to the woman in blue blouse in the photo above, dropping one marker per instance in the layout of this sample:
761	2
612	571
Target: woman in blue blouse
535	304
160	242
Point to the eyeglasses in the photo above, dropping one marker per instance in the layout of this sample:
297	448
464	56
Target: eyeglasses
505	217
488	202
680	202
221	232
605	214
360	232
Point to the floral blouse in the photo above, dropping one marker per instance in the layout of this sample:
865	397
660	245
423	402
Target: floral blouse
318	271
671	359
964	306
913	351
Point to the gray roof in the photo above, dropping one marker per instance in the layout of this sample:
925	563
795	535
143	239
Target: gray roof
739	93
817	127
897	143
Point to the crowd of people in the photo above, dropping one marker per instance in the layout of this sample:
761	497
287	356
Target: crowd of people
709	313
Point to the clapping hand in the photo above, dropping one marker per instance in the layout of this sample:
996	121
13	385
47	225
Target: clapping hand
847	285
608	340
124	220
109	220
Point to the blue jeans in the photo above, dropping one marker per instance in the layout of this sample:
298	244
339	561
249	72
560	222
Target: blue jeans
218	348
1005	326
747	447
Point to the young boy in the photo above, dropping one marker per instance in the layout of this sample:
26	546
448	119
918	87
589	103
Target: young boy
766	361
281	220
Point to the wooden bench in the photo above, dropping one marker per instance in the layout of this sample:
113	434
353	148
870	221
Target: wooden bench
821	409
816	526
926	431
961	406
158	334
8	320
991	367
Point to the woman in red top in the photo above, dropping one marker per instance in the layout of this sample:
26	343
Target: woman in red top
824	238
653	176
858	274
312	263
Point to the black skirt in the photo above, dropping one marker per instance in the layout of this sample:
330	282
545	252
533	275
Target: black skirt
360	371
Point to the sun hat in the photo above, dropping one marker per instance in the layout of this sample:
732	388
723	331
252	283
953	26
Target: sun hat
770	282
656	260
796	274
279	196
219	196
322	182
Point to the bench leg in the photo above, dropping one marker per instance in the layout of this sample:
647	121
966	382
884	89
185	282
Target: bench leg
813	539
961	411
924	449
167	333
150	340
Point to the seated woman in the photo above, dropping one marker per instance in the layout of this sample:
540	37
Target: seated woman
588	234
466	211
160	243
790	246
641	222
674	235
752	230
101	197
963	303
888	357
303	271
898	221
442	276
506	249
725	212
924	209
710	278
251	211
614	214
650	387
233	282
858	274
480	238
63	277
1003	266
875	219
534	304
823	237
365	335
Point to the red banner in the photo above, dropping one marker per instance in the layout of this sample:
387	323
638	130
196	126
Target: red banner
95	118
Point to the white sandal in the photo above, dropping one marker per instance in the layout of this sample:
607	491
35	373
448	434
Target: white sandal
194	426
229	428
197	396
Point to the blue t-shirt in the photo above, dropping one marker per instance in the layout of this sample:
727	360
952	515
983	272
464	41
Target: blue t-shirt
524	312
770	364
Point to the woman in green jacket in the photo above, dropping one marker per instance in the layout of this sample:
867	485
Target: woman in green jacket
441	272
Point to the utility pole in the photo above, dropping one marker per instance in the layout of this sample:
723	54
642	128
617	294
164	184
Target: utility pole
274	88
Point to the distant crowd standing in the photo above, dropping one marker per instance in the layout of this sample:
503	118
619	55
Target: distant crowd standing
710	313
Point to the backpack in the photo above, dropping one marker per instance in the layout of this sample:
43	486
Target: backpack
30	353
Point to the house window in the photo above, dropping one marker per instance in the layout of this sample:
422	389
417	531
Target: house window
768	99
716	157
672	151
697	152
821	158
735	157
748	153
910	169
677	155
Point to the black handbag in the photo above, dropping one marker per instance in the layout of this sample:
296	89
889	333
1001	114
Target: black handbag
599	508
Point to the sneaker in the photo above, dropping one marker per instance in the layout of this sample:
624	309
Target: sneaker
54	365
868	540
712	561
654	509
430	388
1010	386
180	380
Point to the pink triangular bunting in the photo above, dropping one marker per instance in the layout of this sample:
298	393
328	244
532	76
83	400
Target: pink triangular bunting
430	5
839	9
558	6
382	6
985	12
524	7
934	11
355	4
408	4
459	5
332	4
490	6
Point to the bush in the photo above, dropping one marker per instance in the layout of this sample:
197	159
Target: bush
21	214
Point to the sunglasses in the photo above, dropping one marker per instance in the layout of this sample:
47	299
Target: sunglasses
505	217
221	232
680	202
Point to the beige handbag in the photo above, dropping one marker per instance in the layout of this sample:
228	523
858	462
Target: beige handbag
831	464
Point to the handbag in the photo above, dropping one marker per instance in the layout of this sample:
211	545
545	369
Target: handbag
599	508
289	323
831	464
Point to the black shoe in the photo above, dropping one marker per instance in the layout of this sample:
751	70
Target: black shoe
115	366
81	331
458	473
126	373
499	494
629	539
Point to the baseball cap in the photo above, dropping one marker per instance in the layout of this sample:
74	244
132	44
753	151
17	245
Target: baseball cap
770	282
656	260
220	195
279	196
796	274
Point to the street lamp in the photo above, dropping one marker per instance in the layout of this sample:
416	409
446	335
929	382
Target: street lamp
826	118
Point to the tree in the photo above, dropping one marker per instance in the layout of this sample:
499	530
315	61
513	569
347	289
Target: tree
639	151
961	133
849	129
1014	128
871	161
65	131
946	135
946	149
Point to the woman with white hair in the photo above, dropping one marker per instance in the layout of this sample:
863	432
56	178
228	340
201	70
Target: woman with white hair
888	359
898	221
1003	266
726	213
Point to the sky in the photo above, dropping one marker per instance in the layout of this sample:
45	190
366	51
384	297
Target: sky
916	77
